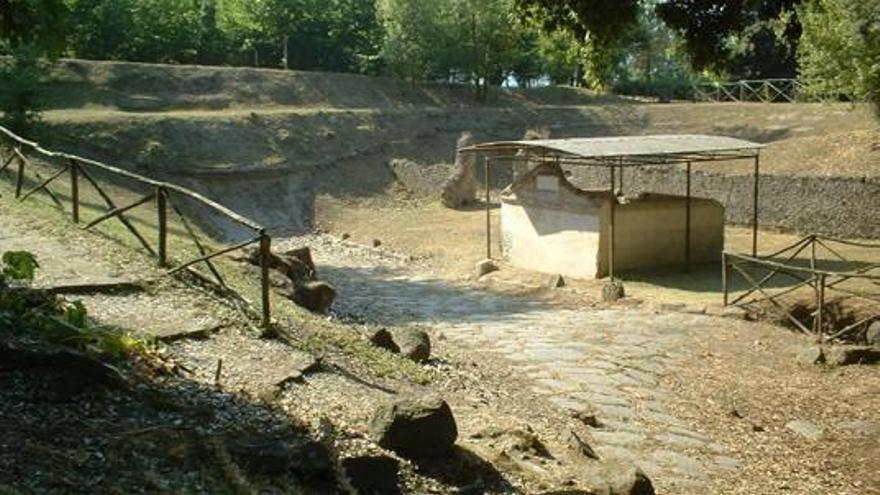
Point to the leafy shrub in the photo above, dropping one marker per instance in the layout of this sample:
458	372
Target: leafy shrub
18	265
666	88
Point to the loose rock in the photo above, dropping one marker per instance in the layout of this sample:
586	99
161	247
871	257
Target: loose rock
621	477
612	291
412	343
811	355
382	338
806	429
485	267
556	281
315	296
415	427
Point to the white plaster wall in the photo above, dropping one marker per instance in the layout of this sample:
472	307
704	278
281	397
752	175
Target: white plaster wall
551	241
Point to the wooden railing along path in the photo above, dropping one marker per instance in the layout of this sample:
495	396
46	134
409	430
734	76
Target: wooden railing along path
755	90
759	272
75	168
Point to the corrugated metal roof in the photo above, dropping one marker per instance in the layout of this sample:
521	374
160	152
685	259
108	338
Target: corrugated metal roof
671	145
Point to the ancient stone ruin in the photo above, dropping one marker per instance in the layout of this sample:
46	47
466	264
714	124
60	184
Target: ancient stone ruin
460	188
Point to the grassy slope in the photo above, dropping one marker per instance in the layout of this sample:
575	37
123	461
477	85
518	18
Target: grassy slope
187	116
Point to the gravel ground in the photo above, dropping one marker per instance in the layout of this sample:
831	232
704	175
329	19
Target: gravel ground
746	386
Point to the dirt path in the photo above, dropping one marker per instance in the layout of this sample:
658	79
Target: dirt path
607	361
74	258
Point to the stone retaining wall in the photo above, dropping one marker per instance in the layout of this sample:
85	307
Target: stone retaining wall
837	206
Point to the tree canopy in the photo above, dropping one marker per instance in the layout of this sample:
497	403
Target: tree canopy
624	45
840	48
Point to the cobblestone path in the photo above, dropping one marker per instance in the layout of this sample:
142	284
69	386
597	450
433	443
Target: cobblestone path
609	361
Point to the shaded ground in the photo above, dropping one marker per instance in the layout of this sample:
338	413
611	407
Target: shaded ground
173	433
664	384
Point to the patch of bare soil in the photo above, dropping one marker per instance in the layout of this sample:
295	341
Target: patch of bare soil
747	391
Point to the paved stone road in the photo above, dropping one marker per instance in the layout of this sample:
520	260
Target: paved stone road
607	360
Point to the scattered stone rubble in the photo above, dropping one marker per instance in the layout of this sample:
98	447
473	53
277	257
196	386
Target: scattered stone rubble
293	275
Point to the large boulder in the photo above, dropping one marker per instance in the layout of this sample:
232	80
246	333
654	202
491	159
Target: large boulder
315	296
415	427
461	187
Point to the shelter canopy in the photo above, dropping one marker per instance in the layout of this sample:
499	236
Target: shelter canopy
627	150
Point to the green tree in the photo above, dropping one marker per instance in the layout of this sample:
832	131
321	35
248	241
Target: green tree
561	56
164	31
742	38
415	44
840	48
490	41
337	35
600	26
30	32
101	28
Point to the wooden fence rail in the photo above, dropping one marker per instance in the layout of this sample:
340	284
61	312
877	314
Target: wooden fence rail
75	167
756	90
781	264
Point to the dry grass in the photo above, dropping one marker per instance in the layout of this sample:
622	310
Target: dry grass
742	387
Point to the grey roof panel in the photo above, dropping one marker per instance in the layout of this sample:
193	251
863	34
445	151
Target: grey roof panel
629	146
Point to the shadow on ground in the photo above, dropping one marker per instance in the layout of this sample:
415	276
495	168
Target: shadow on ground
388	296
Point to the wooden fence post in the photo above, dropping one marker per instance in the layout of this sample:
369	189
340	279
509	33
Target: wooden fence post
724	276
19	181
820	308
74	190
162	211
265	254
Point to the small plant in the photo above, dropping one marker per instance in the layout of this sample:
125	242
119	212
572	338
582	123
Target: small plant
18	266
34	313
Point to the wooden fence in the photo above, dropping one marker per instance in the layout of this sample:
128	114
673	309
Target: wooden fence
858	284
756	90
77	169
